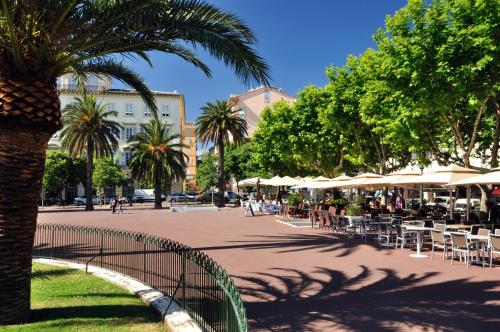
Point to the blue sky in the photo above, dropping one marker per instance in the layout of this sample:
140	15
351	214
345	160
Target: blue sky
298	39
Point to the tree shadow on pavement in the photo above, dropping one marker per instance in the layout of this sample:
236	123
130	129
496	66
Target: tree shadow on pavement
325	243
379	300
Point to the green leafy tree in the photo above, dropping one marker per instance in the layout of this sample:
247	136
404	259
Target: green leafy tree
220	124
42	40
206	172
107	173
443	55
237	161
57	170
62	171
89	130
157	155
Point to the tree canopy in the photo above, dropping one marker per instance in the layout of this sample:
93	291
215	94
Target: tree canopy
107	173
430	88
206	173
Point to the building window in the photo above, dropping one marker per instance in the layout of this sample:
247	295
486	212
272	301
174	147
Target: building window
147	111
129	109
267	96
164	111
111	106
129	132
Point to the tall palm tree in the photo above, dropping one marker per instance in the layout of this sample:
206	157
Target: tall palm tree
41	40
88	129
220	124
157	156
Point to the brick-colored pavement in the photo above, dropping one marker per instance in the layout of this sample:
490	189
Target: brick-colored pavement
303	279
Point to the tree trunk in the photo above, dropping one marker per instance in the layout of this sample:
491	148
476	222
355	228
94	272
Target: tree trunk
221	181
90	170
29	115
157	185
496	137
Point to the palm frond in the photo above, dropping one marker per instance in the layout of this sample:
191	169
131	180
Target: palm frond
219	123
111	68
86	118
156	151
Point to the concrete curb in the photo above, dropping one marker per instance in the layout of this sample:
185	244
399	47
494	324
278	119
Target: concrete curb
176	319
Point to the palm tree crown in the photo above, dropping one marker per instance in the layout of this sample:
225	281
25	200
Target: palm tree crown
44	39
157	155
86	121
220	124
88	129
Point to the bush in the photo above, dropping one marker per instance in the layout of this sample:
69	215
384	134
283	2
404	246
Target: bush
340	201
294	199
354	210
360	199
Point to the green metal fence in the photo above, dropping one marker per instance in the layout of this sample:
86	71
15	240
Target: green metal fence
195	281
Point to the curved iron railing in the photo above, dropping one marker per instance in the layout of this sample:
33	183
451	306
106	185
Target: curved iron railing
194	280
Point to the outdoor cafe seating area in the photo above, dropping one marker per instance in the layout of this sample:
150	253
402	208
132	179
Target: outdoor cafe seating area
426	232
467	243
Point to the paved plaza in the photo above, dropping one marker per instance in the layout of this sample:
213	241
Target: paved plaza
303	279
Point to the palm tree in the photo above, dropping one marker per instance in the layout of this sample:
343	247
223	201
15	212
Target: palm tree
157	155
87	129
41	40
220	124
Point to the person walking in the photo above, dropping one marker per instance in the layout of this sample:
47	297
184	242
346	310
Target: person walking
120	205
114	202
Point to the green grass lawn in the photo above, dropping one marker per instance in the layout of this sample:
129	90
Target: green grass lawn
67	300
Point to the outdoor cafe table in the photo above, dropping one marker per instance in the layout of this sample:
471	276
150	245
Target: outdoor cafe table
457	226
419	230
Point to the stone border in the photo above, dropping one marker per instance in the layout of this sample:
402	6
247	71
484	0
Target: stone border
176	319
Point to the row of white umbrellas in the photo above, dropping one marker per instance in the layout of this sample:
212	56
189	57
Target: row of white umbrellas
451	175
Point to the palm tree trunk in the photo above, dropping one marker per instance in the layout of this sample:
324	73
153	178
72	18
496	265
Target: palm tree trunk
157	185
90	170
221	181
22	160
29	115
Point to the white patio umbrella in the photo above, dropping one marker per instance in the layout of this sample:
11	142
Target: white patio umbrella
249	182
333	182
357	181
488	178
446	174
283	182
388	180
321	178
312	184
271	181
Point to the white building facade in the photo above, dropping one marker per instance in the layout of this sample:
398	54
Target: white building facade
131	112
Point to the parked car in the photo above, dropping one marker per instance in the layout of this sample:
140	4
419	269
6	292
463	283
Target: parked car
440	202
461	204
80	200
414	203
231	196
206	197
179	197
47	201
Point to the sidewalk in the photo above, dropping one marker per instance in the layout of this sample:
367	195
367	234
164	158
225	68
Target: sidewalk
75	208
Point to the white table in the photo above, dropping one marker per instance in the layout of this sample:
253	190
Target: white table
419	230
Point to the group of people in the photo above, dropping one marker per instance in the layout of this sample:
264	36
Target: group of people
116	205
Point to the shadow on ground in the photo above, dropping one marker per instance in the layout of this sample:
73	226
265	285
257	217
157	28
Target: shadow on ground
326	243
291	300
94	312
